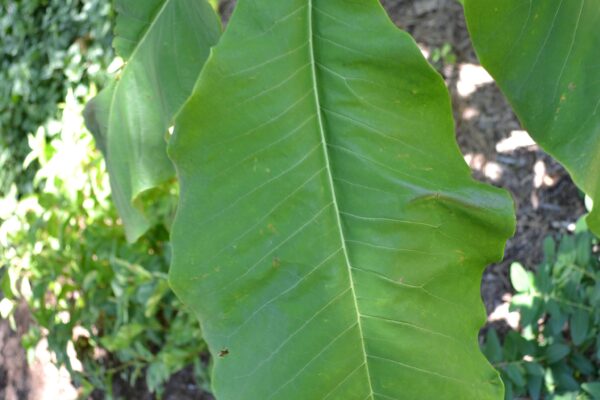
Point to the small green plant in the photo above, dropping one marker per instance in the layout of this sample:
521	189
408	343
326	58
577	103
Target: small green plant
555	354
444	55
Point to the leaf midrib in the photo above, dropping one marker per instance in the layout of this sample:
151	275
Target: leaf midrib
319	114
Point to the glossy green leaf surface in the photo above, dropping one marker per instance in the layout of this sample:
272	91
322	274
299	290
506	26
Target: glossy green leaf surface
165	44
544	56
329	235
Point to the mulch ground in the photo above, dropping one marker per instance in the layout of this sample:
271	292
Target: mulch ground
483	119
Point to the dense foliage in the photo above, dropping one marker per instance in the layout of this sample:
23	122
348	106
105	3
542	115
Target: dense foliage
555	354
46	48
66	255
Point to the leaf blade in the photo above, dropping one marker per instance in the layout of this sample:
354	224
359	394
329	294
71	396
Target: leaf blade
543	56
285	183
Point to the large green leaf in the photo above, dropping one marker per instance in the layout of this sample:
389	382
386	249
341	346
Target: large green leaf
544	55
165	43
329	236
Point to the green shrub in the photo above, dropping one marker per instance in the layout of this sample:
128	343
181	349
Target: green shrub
556	352
46	48
65	253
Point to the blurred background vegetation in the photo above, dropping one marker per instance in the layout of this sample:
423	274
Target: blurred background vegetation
47	48
104	307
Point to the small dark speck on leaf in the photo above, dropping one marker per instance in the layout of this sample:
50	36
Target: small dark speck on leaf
223	353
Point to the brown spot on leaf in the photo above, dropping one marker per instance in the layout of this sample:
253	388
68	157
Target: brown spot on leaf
224	353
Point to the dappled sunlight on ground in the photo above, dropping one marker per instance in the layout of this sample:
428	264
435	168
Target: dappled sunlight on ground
518	139
503	315
48	382
470	78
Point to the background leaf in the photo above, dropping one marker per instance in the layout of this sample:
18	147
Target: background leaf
329	235
544	56
556	352
593	388
492	348
519	278
580	322
165	43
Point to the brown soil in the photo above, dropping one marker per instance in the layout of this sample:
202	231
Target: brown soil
483	119
15	376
